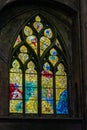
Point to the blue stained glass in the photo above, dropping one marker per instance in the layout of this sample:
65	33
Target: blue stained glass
29	89
19	106
54	53
62	106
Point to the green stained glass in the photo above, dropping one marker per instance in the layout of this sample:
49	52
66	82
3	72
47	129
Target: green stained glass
32	41
31	90
16	106
47	90
18	41
23	56
37	24
53	58
44	43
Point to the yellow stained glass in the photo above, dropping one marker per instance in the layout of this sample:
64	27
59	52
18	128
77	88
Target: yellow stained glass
46	81
28	31
31	67
44	43
48	33
47	108
15	81
32	41
58	44
18	41
16	78
16	66
31	106
47	89
37	24
37	18
23	57
58	93
61	81
60	71
23	49
16	106
31	90
53	58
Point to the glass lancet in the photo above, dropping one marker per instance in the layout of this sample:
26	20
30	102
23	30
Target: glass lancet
16	96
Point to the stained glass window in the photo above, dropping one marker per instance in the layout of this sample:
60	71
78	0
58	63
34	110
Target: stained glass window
38	74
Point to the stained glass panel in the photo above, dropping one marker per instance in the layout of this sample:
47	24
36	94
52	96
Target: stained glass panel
18	41
53	58
31	106
47	90
36	58
28	31
44	43
32	41
37	24
48	33
61	91
62	103
58	44
23	56
16	106
31	90
16	93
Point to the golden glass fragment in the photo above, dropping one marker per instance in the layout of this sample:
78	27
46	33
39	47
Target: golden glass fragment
28	31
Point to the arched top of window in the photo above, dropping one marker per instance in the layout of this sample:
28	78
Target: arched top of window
38	72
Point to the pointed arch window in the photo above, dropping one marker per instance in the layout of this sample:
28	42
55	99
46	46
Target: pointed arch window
38	73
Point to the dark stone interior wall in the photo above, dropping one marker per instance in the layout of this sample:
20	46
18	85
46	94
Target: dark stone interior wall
71	3
6	37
